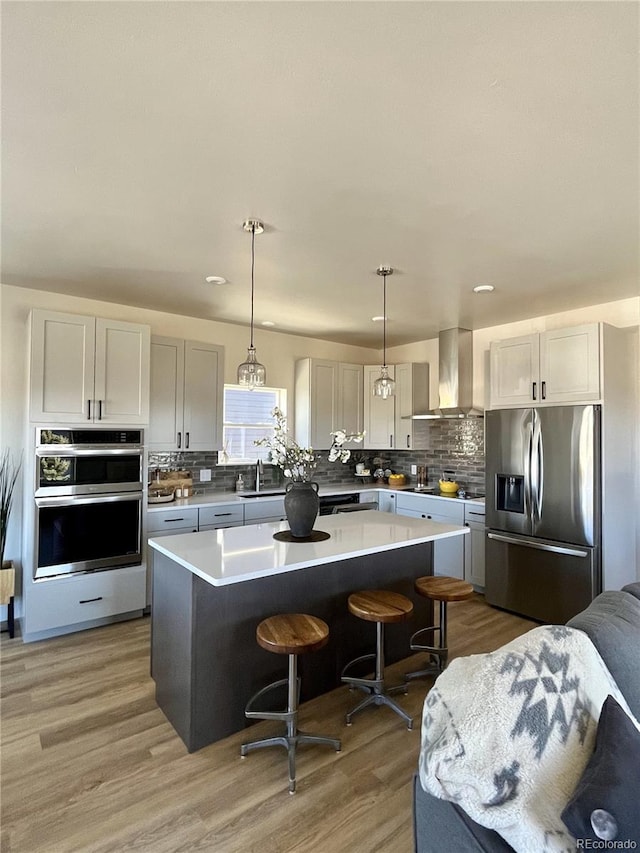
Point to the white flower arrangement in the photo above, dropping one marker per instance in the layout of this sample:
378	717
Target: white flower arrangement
299	463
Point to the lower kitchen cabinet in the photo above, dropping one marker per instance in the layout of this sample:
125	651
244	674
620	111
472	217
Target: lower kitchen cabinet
474	547
72	600
448	554
258	510
386	501
222	515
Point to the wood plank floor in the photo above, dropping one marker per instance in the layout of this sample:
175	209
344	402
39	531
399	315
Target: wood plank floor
90	764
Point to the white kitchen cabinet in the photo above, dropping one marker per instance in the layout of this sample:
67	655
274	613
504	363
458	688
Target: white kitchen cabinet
386	501
553	367
379	413
328	397
474	519
350	397
448	554
186	395
75	599
412	397
172	520
387	422
257	510
88	369
221	515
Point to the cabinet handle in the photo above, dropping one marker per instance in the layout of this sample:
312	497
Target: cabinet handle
186	443
543	387
408	441
391	440
167	520
480	514
99	410
535	390
88	410
179	440
220	514
90	600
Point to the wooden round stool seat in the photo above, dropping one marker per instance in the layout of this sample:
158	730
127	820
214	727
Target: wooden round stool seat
380	605
292	633
443	588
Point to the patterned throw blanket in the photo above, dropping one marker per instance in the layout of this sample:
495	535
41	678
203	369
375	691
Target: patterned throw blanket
507	735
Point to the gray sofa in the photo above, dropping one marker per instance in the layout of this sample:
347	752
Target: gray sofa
612	623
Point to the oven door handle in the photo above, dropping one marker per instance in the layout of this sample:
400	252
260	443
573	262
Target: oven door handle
62	450
71	500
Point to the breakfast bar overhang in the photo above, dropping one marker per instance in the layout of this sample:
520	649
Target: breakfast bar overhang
211	589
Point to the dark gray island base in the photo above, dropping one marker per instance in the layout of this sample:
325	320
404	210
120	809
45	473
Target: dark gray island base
204	656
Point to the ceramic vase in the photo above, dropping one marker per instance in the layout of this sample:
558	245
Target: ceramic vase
301	505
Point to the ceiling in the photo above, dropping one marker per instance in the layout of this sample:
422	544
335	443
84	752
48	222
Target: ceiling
462	143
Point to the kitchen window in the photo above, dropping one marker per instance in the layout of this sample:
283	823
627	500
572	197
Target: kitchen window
247	417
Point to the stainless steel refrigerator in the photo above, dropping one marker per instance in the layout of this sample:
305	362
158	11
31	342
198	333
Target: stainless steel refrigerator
543	510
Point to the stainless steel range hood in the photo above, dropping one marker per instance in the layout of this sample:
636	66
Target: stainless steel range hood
455	386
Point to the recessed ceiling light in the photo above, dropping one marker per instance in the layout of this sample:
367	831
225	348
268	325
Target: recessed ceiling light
215	279
268	323
483	288
378	319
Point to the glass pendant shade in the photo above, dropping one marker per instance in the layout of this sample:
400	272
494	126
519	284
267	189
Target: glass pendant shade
384	386
251	373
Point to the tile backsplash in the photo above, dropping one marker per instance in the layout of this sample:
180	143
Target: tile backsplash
452	444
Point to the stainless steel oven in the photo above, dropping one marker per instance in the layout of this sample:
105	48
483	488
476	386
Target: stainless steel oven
88	461
88	500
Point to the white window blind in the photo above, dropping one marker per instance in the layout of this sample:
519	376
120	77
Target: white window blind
247	417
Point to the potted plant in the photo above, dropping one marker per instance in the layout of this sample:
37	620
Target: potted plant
9	470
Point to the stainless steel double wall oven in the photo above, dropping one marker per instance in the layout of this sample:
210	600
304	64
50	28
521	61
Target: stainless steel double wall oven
88	500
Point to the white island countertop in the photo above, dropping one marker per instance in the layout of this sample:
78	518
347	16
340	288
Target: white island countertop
239	554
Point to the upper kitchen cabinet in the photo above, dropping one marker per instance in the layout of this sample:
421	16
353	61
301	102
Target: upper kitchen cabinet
412	397
88	369
558	366
387	422
379	413
186	395
328	397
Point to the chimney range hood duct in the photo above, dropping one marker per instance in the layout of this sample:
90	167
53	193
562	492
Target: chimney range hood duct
455	361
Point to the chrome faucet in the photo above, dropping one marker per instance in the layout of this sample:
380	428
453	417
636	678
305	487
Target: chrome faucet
259	473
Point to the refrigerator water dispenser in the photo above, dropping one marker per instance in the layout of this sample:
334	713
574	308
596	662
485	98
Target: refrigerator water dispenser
510	493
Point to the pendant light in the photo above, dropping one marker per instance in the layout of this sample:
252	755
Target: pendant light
384	386
252	374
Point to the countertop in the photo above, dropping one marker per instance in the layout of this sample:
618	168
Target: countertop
238	554
215	498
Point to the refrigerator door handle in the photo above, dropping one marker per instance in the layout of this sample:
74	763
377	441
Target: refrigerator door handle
537	476
540	546
528	450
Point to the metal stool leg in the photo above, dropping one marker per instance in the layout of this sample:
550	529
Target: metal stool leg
376	686
437	654
293	738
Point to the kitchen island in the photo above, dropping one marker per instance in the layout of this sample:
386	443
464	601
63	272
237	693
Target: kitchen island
211	589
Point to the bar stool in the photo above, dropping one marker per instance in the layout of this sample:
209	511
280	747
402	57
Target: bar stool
290	634
380	606
442	589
